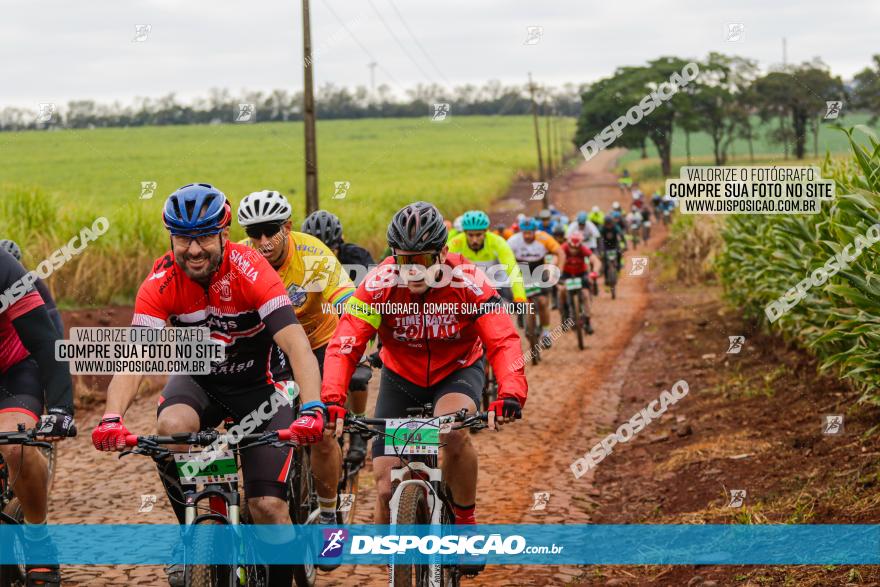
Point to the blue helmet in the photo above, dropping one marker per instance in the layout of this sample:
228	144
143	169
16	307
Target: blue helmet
528	224
616	214
582	217
197	209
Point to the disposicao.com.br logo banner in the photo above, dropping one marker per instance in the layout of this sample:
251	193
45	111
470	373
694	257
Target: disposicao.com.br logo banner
496	544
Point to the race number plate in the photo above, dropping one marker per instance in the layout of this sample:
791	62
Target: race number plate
532	290
206	467
407	436
573	283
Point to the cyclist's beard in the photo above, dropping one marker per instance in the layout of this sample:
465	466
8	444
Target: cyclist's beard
202	274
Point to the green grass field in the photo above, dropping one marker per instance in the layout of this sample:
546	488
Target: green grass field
54	183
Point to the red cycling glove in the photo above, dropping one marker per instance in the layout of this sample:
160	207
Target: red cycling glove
110	433
335	412
309	427
508	407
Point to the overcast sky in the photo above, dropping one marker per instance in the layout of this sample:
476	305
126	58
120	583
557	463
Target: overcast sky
57	50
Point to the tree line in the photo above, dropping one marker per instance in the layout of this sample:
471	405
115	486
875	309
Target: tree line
725	100
333	102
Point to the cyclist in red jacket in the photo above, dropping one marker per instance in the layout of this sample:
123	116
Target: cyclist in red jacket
578	263
433	339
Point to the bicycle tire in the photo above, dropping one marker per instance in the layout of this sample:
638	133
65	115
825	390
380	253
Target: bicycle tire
303	500
412	509
208	575
578	319
13	575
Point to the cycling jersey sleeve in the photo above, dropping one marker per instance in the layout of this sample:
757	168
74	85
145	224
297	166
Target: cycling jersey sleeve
507	258
356	327
502	343
51	308
324	272
548	241
27	313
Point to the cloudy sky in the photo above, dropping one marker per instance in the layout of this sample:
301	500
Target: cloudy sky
57	50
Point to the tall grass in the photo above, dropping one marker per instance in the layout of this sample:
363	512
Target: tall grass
766	255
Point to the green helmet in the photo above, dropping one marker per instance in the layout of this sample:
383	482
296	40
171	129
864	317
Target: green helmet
475	220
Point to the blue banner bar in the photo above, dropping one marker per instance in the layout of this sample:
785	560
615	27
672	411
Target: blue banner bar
506	544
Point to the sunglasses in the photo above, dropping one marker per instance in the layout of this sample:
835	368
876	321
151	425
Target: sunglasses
258	230
184	240
424	259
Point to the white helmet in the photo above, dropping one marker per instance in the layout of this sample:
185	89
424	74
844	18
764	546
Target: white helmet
456	224
264	206
596	209
616	205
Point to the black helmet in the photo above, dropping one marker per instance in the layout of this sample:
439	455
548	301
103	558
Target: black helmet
11	247
325	226
558	230
417	227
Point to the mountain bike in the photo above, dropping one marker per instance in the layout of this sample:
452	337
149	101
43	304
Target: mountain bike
14	575
610	266
574	307
634	230
646	230
533	326
420	495
347	489
211	496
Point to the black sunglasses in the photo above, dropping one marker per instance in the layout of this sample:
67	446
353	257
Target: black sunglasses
269	229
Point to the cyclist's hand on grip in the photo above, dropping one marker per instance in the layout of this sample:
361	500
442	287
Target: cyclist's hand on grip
334	412
58	424
375	360
506	410
110	433
309	427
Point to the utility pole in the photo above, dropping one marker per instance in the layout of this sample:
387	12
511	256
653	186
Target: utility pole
372	65
541	174
309	116
784	53
549	138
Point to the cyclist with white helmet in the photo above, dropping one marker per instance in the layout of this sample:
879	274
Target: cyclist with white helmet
587	227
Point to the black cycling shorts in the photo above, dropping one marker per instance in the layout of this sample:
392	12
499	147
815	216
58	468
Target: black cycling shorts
396	394
265	468
21	390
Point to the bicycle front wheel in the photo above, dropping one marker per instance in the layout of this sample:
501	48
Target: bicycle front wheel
14	575
412	509
303	500
208	575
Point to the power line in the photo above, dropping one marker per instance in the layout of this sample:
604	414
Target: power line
359	44
418	43
399	43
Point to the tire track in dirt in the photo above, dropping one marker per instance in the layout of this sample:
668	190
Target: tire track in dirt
573	398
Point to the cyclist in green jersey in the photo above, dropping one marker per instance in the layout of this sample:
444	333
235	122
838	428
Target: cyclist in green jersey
488	250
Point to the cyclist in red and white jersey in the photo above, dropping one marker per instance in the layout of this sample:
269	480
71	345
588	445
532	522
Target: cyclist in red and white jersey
27	368
206	280
578	263
428	357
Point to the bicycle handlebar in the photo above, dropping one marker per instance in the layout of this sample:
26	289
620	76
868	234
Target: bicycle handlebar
462	417
206	438
23	437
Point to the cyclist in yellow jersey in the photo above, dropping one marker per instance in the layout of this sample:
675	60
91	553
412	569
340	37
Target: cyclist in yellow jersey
314	277
488	250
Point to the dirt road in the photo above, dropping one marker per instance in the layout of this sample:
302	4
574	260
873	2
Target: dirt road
573	396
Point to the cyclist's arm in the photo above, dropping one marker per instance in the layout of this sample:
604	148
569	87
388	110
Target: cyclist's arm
502	345
555	249
293	341
51	308
356	326
507	258
38	335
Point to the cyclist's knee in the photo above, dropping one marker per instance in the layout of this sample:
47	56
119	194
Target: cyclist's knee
12	454
269	510
177	418
327	446
456	442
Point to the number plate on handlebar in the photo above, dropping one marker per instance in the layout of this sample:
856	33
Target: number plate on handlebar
206	467
412	436
573	283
